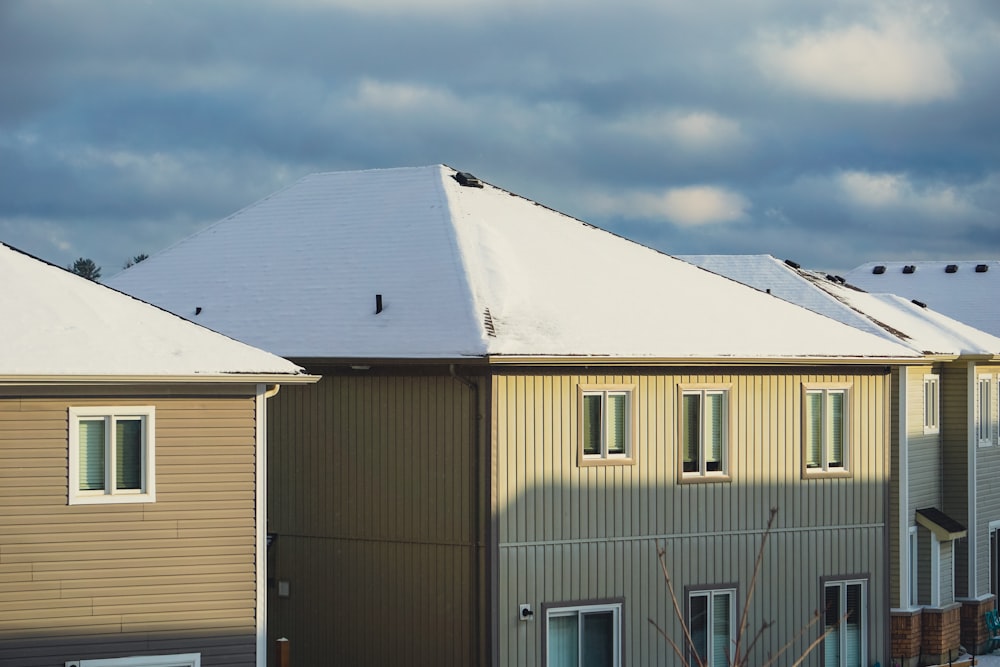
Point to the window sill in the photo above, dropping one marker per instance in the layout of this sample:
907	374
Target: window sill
827	474
588	462
695	478
113	499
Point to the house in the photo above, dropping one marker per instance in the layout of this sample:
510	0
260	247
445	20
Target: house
131	479
959	289
517	409
944	516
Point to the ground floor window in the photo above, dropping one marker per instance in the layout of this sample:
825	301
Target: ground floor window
586	635
846	623
711	623
178	660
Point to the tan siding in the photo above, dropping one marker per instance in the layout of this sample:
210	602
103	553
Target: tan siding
567	532
372	484
177	575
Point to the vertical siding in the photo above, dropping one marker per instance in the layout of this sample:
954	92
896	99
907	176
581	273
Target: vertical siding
576	533
173	576
371	486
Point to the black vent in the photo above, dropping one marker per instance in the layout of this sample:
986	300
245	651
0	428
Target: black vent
982	268
794	265
918	303
909	268
878	270
468	180
951	268
491	330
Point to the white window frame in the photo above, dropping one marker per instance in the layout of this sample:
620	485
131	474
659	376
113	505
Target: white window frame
932	404
842	584
711	594
577	610
984	410
826	469
109	494
914	551
177	660
703	474
606	457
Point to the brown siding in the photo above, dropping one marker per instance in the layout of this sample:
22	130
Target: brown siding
576	533
372	485
173	576
955	443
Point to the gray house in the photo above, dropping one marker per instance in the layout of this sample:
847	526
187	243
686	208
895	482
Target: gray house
517	410
944	454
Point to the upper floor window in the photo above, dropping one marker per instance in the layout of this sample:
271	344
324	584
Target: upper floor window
704	432
111	455
584	635
605	425
932	404
984	413
825	428
711	623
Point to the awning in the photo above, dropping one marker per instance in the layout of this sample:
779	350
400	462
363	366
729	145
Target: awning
943	526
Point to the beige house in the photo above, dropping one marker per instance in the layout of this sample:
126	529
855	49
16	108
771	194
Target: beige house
517	410
943	455
131	479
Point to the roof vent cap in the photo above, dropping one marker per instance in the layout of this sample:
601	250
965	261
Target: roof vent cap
878	270
919	303
909	268
951	268
982	268
794	265
468	180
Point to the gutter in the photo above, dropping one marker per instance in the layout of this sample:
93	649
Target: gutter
233	378
583	360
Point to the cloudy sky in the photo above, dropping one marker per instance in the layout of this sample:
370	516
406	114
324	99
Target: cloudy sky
832	133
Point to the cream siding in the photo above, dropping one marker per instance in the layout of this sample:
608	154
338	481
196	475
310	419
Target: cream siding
372	483
176	575
573	533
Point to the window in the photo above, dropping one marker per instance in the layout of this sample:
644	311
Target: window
605	425
711	623
846	621
584	636
179	660
984	416
932	404
825	441
704	432
111	455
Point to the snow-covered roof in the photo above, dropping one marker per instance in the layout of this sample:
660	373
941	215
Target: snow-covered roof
56	324
889	316
463	272
967	292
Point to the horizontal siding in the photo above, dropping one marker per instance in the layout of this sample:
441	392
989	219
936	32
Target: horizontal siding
177	575
576	533
987	490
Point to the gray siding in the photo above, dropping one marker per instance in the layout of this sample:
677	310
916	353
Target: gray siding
372	487
174	576
577	533
987	492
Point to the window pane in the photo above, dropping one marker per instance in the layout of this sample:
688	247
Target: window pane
698	625
91	454
592	423
852	626
128	454
564	641
714	408
721	646
831	643
836	402
616	423
814	429
598	639
691	425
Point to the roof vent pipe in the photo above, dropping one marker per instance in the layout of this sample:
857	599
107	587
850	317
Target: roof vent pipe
951	268
982	268
378	304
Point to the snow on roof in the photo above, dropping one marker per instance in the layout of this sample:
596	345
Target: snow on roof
462	272
963	292
886	315
55	323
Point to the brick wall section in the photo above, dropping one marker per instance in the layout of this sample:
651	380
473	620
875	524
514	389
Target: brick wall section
906	636
975	637
941	633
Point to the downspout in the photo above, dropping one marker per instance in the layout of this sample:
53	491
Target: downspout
972	588
477	579
903	481
260	516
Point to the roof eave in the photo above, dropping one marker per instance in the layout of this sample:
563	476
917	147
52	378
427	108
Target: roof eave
568	360
118	380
